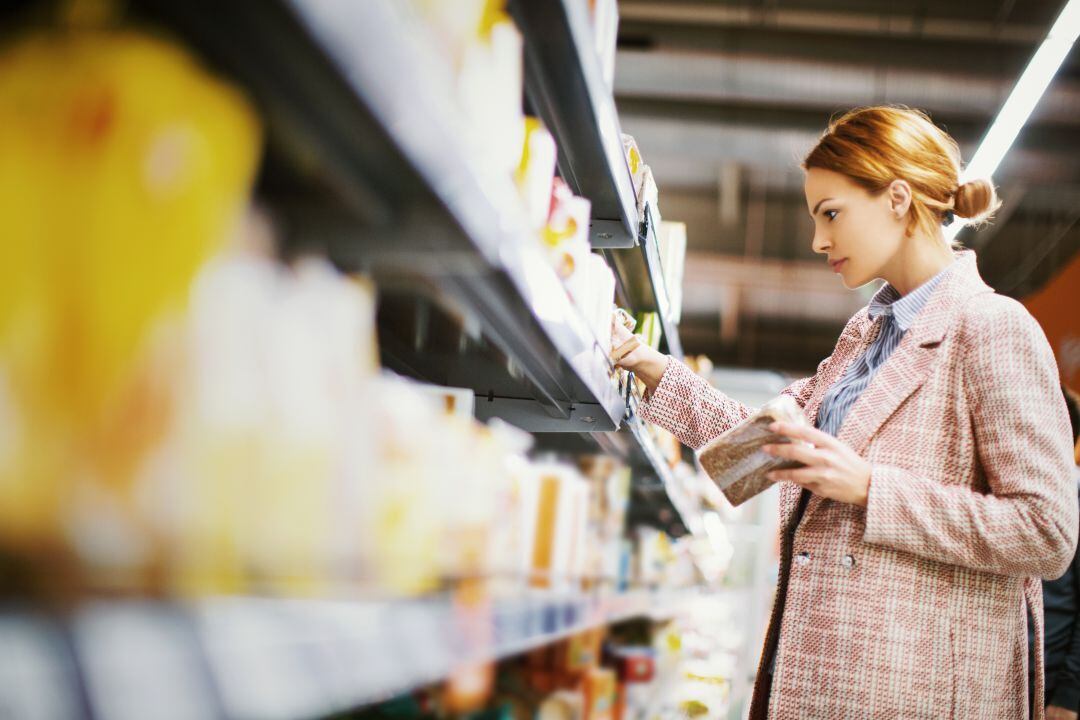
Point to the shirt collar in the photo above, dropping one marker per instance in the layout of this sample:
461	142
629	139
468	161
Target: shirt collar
904	310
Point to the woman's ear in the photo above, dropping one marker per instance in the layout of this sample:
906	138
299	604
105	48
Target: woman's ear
899	198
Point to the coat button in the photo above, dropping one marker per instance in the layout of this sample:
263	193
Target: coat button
803	558
848	561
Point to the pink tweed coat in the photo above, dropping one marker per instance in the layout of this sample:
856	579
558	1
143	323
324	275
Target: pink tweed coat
915	607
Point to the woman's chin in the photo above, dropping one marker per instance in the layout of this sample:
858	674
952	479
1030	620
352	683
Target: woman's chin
852	282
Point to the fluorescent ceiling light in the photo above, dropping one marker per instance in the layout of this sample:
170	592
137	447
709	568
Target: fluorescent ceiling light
1022	100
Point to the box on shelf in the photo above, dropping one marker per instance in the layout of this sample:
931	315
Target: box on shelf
562	510
89	308
649	328
536	173
490	88
482	53
605	21
641	176
672	238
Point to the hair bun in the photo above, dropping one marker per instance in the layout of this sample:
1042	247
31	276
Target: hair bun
976	200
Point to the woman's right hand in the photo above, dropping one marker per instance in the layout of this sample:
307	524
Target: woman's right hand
646	363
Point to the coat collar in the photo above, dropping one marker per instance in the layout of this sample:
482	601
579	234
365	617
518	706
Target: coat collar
958	283
904	309
910	364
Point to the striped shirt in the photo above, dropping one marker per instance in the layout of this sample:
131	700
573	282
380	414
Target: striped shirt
896	314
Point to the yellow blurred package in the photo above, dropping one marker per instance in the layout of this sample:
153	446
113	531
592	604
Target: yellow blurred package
123	164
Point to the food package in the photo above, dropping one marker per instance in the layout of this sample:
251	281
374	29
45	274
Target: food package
600	686
598	306
635	664
400	524
274	436
536	172
648	198
490	89
562	705
562	513
609	499
649	329
123	166
515	497
581	652
672	237
605	19
456	24
633	161
566	236
735	461
653	550
645	190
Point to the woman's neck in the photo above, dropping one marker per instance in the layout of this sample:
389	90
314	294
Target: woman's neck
918	260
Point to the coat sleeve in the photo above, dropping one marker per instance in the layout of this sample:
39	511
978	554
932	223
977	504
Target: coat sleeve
1027	524
695	412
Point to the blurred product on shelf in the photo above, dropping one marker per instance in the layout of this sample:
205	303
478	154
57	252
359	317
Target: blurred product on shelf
271	438
650	329
566	235
648	196
610	499
558	550
633	161
672	237
484	54
596	298
123	165
677	665
536	173
587	277
700	364
605	22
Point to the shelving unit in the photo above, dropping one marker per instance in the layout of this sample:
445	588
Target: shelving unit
399	195
565	88
364	163
646	454
262	659
641	281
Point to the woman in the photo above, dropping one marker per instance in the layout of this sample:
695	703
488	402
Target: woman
938	485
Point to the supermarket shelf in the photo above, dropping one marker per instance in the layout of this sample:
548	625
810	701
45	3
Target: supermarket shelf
258	658
650	247
408	198
641	281
565	87
648	454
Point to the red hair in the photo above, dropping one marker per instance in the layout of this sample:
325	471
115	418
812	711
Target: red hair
874	146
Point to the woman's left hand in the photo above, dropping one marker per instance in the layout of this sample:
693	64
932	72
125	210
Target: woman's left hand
833	470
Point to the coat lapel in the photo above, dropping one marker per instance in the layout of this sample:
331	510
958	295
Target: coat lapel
913	360
852	344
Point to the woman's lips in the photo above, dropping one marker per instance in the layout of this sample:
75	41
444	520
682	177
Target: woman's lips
837	264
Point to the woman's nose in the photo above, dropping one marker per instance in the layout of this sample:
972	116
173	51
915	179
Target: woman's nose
821	244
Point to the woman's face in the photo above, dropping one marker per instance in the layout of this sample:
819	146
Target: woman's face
859	232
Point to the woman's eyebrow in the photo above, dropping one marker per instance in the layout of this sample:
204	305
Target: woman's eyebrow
819	205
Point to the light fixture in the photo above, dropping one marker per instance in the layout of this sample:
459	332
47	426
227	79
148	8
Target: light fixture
1022	100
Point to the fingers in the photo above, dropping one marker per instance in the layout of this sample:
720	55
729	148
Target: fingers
808	477
620	353
805	454
803	432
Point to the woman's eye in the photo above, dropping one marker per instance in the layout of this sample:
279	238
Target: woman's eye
831	214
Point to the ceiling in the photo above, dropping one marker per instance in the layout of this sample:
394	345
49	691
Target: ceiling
725	99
